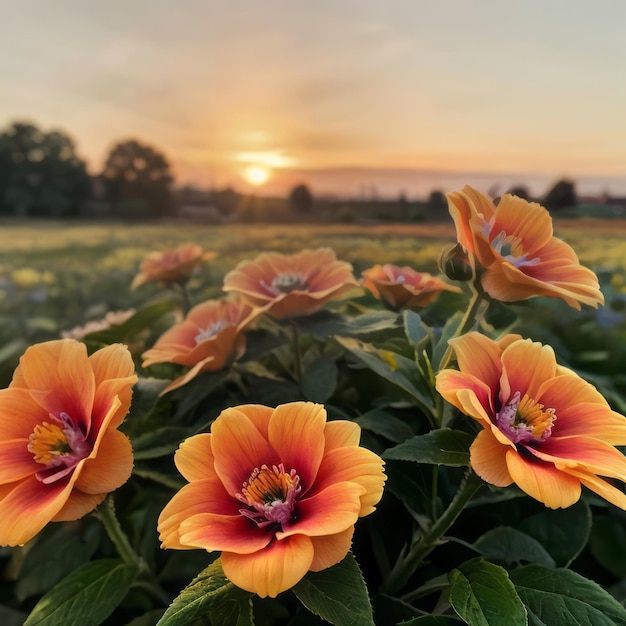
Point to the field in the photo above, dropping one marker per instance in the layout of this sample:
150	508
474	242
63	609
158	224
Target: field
365	364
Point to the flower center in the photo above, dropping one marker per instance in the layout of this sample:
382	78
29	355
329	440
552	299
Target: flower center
510	249
210	331
59	446
523	420
286	283
271	494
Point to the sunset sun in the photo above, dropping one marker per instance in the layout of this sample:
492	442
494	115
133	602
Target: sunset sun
256	175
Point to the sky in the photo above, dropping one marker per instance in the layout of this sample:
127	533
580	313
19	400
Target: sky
369	97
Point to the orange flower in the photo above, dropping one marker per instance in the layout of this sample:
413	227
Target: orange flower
276	490
291	285
403	287
514	245
545	428
171	266
60	450
208	339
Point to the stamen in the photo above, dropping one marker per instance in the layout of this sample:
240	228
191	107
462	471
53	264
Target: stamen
210	331
524	419
286	283
47	443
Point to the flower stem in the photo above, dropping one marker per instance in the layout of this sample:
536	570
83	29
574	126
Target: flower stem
106	514
409	562
185	300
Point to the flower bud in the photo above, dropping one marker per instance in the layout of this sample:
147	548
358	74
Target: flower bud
455	262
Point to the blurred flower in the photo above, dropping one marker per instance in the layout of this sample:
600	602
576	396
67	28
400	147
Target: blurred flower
171	266
403	287
291	285
26	277
59	444
278	491
209	338
112	318
514	245
545	428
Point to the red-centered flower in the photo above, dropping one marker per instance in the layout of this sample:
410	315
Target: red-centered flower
171	266
209	338
278	491
291	285
60	450
544	428
517	253
403	287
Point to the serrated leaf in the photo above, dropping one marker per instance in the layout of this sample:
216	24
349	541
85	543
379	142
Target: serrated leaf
438	447
337	594
483	595
561	596
86	597
210	599
319	380
511	546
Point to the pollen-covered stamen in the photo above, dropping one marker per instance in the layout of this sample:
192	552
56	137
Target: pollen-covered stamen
286	283
271	494
59	446
210	331
524	419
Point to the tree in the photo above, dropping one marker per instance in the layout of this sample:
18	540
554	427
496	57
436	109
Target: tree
301	199
137	179
40	173
561	196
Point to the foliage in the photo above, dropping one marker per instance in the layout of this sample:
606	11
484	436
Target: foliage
442	547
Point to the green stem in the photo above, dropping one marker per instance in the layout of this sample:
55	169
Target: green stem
106	514
185	299
408	563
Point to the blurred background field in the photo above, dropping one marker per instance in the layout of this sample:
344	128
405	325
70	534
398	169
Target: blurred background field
55	276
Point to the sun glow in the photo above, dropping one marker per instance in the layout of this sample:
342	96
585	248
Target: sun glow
256	175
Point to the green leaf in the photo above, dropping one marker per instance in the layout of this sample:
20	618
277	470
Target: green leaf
325	324
319	380
337	594
449	330
483	595
414	329
390	366
210	599
161	442
386	424
58	551
438	447
432	620
510	546
86	597
561	596
608	544
563	533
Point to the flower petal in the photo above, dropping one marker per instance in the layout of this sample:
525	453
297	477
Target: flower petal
328	512
239	448
78	505
331	549
478	356
341	433
20	414
355	465
467	393
26	508
110	468
202	496
231	533
16	462
528	365
543	481
488	459
591	420
272	570
603	488
296	432
194	458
